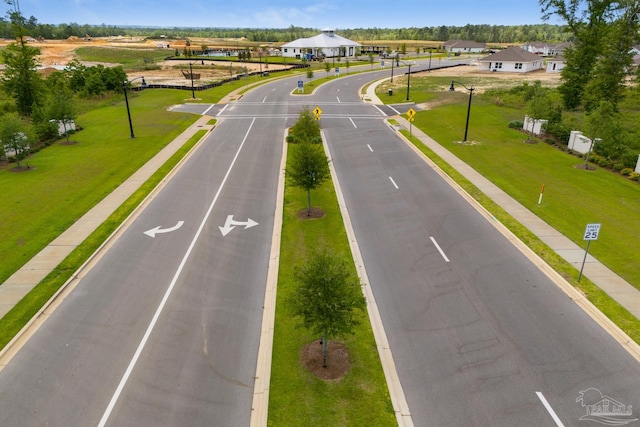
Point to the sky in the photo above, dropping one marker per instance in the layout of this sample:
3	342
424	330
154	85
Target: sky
319	14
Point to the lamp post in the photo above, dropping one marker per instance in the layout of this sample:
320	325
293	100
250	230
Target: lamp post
126	100
470	89
393	61
193	95
408	81
430	52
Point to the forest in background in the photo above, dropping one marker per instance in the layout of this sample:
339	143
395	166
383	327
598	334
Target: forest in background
506	34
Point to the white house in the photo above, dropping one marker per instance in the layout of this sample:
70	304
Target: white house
327	43
464	46
513	59
539	48
555	64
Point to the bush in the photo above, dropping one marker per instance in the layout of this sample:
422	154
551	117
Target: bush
626	171
634	176
516	124
618	167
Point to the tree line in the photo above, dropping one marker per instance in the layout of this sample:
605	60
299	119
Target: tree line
480	33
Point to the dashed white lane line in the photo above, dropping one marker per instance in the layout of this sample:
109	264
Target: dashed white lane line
549	409
439	249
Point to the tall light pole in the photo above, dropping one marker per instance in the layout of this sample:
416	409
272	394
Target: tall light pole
430	52
408	81
393	60
126	100
193	95
470	89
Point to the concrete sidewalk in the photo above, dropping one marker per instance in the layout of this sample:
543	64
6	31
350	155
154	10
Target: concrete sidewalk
616	287
27	277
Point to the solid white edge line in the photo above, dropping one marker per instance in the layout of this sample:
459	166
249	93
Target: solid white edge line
396	393
260	404
549	409
439	249
353	123
394	183
165	298
378	108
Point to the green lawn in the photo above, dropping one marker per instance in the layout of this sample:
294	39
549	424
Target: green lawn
296	397
129	58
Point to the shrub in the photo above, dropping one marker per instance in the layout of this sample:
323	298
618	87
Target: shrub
634	176
626	171
618	167
516	124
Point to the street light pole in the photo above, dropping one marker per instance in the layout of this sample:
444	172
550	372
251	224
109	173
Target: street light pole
430	52
393	60
470	89
193	95
408	81
126	100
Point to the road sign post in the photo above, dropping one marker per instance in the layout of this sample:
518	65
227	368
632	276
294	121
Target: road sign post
317	112
300	86
591	232
410	115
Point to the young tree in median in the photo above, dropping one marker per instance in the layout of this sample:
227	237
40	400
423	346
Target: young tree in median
328	297
307	168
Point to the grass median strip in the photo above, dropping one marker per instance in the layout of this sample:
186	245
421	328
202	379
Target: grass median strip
15	319
297	397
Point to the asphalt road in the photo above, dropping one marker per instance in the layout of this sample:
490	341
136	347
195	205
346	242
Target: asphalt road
480	336
164	330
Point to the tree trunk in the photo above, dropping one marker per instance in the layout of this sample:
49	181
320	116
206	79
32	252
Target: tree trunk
308	203
325	350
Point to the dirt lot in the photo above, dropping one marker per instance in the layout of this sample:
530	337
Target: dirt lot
58	53
55	54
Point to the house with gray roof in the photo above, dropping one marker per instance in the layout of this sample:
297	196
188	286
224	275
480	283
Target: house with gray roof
513	59
464	46
327	43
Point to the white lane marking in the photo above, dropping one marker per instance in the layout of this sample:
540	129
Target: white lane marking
338	99
378	108
549	409
165	298
394	183
222	111
264	100
439	249
207	110
397	112
370	149
352	122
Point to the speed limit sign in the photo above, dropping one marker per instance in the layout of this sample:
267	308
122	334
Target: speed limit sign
591	232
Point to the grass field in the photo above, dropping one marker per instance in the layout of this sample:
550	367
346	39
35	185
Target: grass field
296	397
128	58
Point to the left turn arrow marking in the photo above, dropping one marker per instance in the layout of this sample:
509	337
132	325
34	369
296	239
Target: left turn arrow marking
152	233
